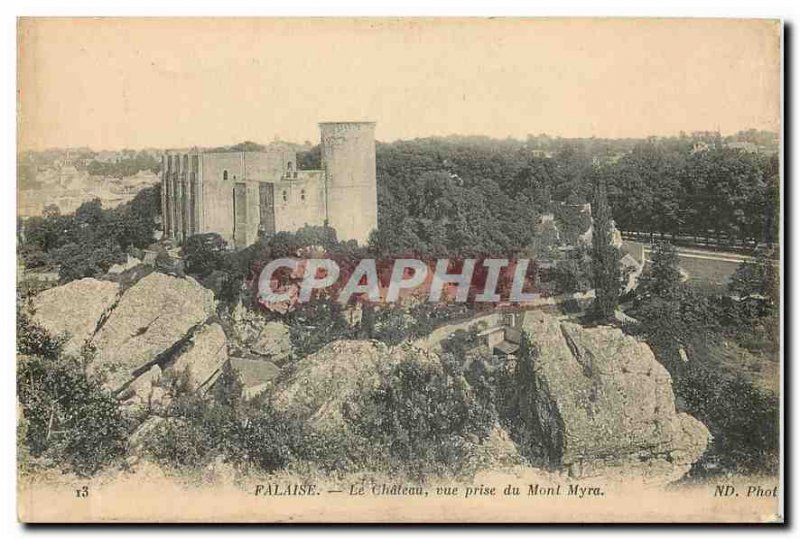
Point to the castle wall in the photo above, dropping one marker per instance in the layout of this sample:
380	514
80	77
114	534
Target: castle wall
300	202
270	164
166	197
180	198
217	193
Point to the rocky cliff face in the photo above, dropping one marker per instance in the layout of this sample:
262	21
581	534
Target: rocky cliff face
160	324
606	405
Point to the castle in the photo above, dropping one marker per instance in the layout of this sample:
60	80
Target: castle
243	194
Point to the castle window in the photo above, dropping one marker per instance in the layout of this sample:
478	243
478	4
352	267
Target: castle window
289	166
225	175
303	194
285	196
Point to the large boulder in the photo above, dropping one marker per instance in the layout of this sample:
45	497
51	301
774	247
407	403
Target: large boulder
202	357
606	405
75	309
272	341
251	333
256	375
153	316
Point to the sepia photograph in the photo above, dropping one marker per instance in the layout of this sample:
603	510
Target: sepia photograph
399	270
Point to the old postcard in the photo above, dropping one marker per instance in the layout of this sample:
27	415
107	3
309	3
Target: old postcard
399	270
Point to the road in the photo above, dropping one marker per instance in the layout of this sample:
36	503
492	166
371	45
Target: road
686	252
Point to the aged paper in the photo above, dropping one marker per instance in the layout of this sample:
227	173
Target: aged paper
399	270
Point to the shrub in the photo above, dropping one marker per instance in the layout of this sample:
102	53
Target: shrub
424	417
743	421
178	443
199	429
315	324
70	419
266	438
204	253
391	326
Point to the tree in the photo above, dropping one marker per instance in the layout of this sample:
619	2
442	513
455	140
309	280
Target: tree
86	259
662	279
607	277
88	242
751	314
574	273
203	253
756	279
422	416
672	314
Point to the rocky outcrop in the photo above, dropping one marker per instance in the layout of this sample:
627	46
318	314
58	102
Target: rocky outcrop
603	404
153	316
160	324
75	309
346	372
321	382
606	405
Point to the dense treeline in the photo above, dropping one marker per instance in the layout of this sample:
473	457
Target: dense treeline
476	194
658	188
89	241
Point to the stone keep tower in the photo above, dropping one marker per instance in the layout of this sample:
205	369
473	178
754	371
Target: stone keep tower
351	194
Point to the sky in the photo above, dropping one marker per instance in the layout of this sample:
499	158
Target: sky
135	83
